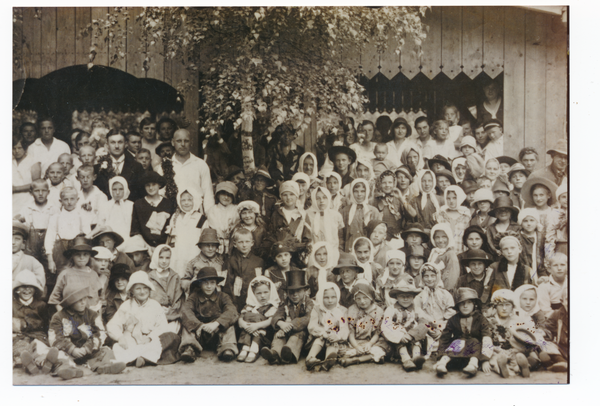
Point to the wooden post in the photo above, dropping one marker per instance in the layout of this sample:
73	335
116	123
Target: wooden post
247	117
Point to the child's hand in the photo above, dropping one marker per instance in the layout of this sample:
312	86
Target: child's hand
51	265
405	339
210	328
280	334
79	353
435	334
285	327
486	367
250	328
237	286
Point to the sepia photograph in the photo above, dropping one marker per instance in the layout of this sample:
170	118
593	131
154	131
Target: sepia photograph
290	195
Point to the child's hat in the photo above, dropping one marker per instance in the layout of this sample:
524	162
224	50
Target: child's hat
249	205
119	271
529	185
285	242
227	187
447	174
296	279
405	171
79	244
528	212
562	189
102	253
476	255
560	147
416	251
20	229
500	186
340	149
347	261
153	177
406	284
209	236
492	123
301	176
206	273
469	186
518	167
504	159
107	231
504	202
362	286
474	229
135	244
373	224
468	141
395	254
503	296
139	277
289	186
27	278
71	297
442	160
482	195
415	228
233	170
161	146
463	294
263	172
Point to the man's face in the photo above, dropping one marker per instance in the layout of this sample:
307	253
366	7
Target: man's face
181	143
529	161
165	131
423	129
116	145
29	133
560	161
47	130
134	144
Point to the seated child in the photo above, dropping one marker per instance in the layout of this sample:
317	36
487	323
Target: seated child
290	322
348	271
327	326
117	212
208	257
117	290
92	201
151	213
391	277
140	328
444	255
223	215
22	262
255	321
287	216
75	331
467	336
249	213
363	250
55	176
434	305
380	163
357	214
137	249
184	230
167	286
364	322
326	224
208	318
402	326
476	265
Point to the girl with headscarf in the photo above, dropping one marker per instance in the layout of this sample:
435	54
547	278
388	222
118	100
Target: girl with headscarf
532	242
333	182
362	169
326	224
357	214
395	262
303	180
427	203
184	230
443	255
323	258
308	164
412	158
363	251
455	214
117	212
377	231
459	168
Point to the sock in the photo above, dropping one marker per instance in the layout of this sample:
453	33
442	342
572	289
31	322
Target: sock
444	360
404	356
245	348
254	347
473	361
416	351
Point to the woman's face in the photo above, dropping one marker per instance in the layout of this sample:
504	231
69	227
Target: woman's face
403	181
474	241
427	182
187	202
400	132
491	92
379	233
360	193
387	184
164	259
321	256
441	239
308	166
362	171
118	191
149	132
262	293
412	159
528	300
18	151
329	298
140	292
492	169
451	200
248	217
395	266
540	196
322	201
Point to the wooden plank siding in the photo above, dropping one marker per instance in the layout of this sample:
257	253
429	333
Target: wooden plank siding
472	41
493	40
556	81
451	41
65	37
83	17
431	58
99	13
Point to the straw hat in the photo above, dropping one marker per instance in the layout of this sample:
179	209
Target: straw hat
530	184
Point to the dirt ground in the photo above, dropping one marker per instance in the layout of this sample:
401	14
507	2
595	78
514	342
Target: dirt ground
208	370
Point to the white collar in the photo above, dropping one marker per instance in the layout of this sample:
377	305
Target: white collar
119	160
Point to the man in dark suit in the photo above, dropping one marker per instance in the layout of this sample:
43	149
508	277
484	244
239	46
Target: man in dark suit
123	165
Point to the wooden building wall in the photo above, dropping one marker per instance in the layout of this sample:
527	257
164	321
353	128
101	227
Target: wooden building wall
530	47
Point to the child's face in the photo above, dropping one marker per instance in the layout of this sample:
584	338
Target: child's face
499	193
80	305
451	115
322	201
412	159
441	131
67	163
333	185
81	259
87	155
303	186
416	262
296	295
518	179
474	241
503	215
187	202
461	171
118	191
540	196
283	259
528	300
466	307
139	257
504	309
164	259
260	183
18	151
467	129
362	301
427	182
152	188
289	200
436	167
414	239
563	200
378	235
387	184
529	161
134	144
18	243
166	152
69	201
262	294
494	133
477	268
25	292
329	299
405	299
83	142
321	256
395	266
443	182
529	224
558	268
244	243
208	286
56	173
470	197
144	159
381	152
348	275
492	169
429	279
209	250
481	136
225	199
441	239
121	284
86	178
504	167
107	242
308	165
363	252
467	150
451	200
341	162
248	217
140	292
360	193
149	132
102	263
485	183
402	181
510	250
362	171
484	206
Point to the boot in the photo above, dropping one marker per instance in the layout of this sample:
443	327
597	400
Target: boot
112	368
523	364
407	362
472	368
29	363
188	355
534	361
50	361
67	373
288	356
417	358
502	361
270	355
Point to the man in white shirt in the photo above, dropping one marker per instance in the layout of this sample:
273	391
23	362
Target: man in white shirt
47	149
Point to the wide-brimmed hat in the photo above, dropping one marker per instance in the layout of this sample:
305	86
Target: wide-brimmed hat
362	286
468	141
340	149
347	261
134	244
20	229
469	186
295	279
446	173
108	232
71	297
476	255
504	202
209	236
208	272
463	294
405	285
524	336
139	277
561	147
415	228
162	145
473	229
500	186
152	177
79	244
233	170
440	160
227	187
529	185
405	171
518	167
482	195
119	271
401	121
263	172
504	159
27	278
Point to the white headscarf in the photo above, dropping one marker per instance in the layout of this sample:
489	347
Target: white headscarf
517	297
122	181
431	193
354	202
326	223
335	201
458	161
367	163
460	198
197	200
315	171
368	273
156	254
321	292
392	254
436	252
118	213
273	296
529	212
435	295
333	255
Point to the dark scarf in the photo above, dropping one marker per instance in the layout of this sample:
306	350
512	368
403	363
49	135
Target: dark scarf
519	278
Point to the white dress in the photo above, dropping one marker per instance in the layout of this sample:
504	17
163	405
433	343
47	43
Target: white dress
21	175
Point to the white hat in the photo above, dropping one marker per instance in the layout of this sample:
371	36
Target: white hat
562	189
27	278
289	186
139	277
468	141
134	244
482	195
102	253
248	205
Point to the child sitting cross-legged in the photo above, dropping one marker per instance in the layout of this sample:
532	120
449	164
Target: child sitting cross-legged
255	321
328	326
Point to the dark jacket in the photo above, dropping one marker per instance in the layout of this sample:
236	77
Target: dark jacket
480	328
346	297
142	211
299	314
499	278
132	172
113	302
199	309
72	330
35	315
244	267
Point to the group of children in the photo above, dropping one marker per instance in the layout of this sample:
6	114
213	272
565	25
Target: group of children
441	252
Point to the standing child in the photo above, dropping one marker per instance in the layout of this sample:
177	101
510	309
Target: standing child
249	218
138	251
328	326
144	157
333	181
323	258
452	115
326	224
455	214
55	176
303	203
482	203
517	175
363	252
540	193
259	193
506	221
134	143
474	238
475	263
444	255
459	169
287	216
92	201
415	260
440	144
377	231
532	241
167	286
117	212
223	216
427	203
391	205
308	164
150	213
184	230
357	214
208	257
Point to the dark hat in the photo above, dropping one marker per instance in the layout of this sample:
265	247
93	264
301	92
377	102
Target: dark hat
119	271
233	170
506	160
504	202
362	286
373	225
492	123
446	173
153	177
401	121
295	279
285	243
405	285
476	255
415	228
227	187
21	229
473	229
70	297
518	167
469	186
463	294
208	272
529	185
416	251
347	261
108	232
162	145
404	170
340	149
500	186
524	336
79	244
208	236
560	147
262	171
440	160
